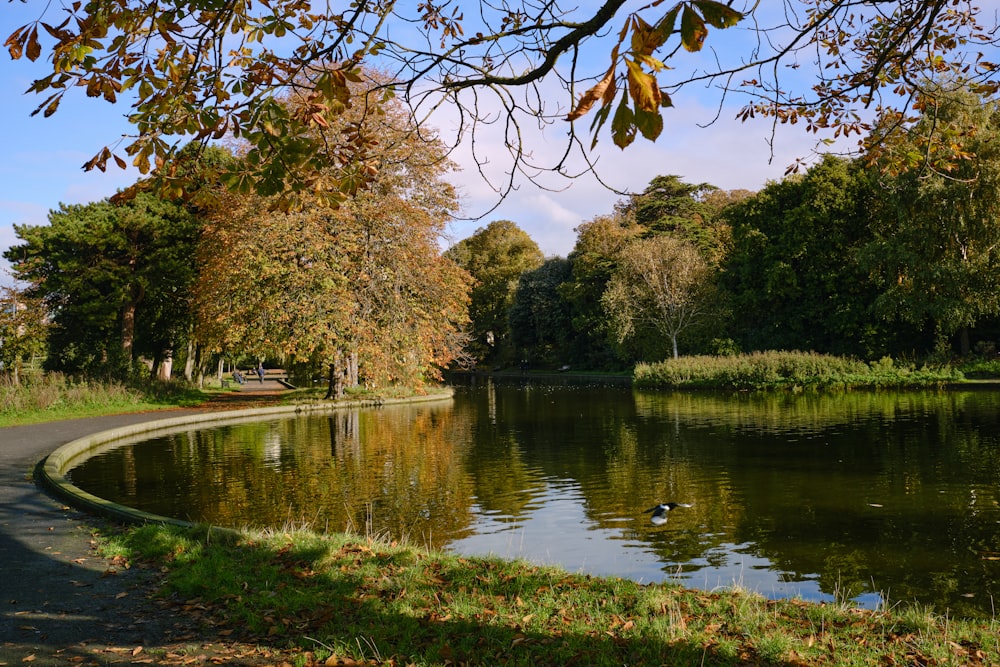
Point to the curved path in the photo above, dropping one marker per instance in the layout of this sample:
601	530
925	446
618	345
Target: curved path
60	604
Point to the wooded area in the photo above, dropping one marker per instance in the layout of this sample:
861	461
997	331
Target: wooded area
850	258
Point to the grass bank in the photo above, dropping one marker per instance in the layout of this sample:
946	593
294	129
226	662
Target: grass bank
788	371
54	396
341	600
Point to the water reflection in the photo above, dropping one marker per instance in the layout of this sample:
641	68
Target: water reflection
852	495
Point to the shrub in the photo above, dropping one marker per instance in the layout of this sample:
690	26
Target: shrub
785	370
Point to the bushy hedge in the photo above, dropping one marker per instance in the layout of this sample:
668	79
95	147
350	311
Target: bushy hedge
785	370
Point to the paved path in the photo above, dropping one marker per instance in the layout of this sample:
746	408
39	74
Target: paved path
59	603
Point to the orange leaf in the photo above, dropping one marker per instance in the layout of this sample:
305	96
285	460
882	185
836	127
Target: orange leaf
34	49
642	88
597	92
14	47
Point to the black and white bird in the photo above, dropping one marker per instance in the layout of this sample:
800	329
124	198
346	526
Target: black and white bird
660	512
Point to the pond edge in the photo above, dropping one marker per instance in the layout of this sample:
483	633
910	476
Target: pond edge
51	471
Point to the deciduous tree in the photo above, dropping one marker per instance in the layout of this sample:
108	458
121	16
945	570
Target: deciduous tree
661	283
496	256
593	259
362	284
23	330
794	274
207	70
540	321
936	251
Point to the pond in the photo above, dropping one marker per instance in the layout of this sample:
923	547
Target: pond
874	497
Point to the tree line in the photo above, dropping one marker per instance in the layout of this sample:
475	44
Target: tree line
893	253
354	291
857	257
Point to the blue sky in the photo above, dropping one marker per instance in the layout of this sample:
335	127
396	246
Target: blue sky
40	164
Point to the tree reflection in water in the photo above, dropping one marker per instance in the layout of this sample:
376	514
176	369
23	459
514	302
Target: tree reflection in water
817	495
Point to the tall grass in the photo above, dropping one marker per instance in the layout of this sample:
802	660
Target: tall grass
786	370
48	396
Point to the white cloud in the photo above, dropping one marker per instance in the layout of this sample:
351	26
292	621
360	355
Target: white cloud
728	154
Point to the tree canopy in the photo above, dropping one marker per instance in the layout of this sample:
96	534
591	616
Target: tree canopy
115	278
496	256
662	284
936	245
794	263
203	71
358	287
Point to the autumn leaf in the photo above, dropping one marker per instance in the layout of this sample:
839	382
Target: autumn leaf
717	14
642	88
33	49
645	38
597	92
693	30
14	44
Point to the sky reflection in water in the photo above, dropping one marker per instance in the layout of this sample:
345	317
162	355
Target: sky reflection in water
816	496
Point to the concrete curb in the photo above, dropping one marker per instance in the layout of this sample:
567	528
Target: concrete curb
52	470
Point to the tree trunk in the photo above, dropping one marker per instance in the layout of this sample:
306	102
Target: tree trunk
166	365
154	370
189	360
352	369
673	340
199	365
135	294
963	343
335	383
128	329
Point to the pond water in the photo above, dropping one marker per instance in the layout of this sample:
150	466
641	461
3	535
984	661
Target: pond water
874	497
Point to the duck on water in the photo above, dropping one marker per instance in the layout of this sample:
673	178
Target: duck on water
660	512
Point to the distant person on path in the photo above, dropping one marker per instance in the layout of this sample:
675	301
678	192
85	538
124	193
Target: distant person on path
260	372
238	376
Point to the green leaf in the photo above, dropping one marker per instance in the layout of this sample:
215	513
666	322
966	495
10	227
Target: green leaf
600	118
650	124
693	30
623	127
666	24
717	14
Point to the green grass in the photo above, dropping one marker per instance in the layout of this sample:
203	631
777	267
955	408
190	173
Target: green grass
53	396
337	599
788	370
